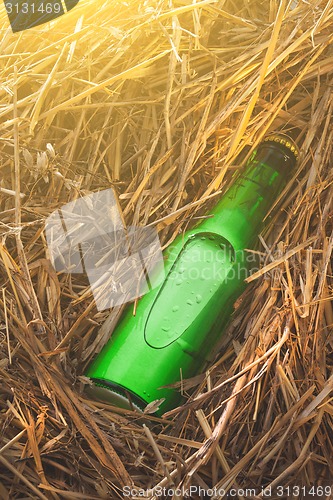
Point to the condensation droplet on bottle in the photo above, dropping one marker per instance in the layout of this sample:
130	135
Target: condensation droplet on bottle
198	298
175	308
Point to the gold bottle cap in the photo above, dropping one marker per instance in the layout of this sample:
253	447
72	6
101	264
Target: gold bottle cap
285	141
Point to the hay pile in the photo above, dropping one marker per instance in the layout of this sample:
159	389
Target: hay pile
157	99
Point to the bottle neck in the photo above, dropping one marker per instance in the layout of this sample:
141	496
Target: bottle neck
256	187
239	214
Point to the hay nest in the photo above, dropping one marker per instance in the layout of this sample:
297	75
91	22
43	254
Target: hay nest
157	99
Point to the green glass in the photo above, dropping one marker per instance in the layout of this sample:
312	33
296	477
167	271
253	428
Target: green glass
177	325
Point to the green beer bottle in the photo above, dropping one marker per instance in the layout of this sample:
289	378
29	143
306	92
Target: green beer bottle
177	324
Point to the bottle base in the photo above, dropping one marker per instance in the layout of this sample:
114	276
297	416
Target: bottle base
115	395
